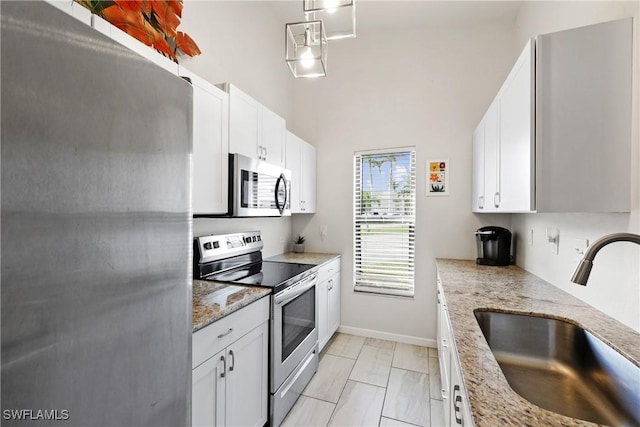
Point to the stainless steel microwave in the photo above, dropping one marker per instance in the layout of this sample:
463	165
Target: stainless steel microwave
257	188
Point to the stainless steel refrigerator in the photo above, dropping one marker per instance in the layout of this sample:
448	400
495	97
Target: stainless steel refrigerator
95	228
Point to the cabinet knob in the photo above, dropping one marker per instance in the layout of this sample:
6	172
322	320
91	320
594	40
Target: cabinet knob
481	202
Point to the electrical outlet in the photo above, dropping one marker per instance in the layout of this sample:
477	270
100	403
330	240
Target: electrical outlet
579	246
324	230
530	237
281	239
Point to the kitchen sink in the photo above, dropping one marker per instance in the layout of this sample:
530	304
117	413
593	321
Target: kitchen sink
563	368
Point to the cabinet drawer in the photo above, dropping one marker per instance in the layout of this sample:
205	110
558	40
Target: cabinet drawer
215	337
328	269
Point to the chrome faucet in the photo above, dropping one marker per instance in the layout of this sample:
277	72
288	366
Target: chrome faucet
581	274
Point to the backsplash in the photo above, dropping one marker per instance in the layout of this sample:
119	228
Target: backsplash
276	232
614	284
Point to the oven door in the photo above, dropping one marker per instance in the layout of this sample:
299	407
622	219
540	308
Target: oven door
259	188
294	331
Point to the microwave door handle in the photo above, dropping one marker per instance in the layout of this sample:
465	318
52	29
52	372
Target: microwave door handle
295	291
282	180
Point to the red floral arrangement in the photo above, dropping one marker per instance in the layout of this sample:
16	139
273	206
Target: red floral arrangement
153	22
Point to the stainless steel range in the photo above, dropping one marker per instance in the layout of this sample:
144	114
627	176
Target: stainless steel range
293	345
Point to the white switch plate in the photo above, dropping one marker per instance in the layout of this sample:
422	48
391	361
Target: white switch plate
553	237
324	230
530	237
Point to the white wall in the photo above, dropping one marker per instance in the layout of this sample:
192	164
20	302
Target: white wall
614	285
427	87
242	43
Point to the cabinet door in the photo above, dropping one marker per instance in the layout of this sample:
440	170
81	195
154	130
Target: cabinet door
459	411
308	174
292	162
477	174
584	118
247	387
444	353
208	392
491	156
273	137
333	304
210	148
322	312
517	145
244	123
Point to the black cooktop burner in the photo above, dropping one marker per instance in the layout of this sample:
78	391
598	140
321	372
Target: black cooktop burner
271	274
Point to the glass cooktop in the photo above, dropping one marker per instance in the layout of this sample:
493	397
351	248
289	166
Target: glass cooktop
271	274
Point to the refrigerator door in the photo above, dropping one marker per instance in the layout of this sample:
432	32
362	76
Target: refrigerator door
96	228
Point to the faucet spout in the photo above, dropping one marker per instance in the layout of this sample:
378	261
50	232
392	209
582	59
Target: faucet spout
583	269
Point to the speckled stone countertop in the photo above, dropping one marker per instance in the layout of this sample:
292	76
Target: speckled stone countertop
468	286
214	300
314	258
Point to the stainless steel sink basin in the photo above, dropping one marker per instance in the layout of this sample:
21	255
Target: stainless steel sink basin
563	368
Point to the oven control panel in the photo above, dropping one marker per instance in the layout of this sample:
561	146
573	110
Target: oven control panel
219	246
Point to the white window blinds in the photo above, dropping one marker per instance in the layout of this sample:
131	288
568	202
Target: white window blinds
384	221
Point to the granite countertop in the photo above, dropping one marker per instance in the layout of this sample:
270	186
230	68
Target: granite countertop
468	286
214	300
314	258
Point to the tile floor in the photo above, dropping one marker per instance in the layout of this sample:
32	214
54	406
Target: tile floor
370	382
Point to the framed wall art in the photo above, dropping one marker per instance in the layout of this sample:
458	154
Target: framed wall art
438	177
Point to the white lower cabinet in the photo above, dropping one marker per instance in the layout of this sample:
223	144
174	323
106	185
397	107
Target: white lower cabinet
328	300
457	411
230	388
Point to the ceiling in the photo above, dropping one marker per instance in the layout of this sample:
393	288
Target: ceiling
380	15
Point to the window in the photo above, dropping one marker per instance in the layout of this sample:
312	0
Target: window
384	221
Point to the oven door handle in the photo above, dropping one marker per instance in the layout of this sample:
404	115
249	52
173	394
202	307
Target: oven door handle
295	291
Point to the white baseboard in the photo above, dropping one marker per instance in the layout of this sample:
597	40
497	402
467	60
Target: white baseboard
407	339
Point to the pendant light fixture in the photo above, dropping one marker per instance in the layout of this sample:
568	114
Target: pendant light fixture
339	16
306	42
306	49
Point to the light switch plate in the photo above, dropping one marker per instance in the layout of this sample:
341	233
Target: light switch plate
553	237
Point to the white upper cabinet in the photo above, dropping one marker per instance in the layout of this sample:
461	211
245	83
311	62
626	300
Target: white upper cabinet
210	147
477	185
504	146
244	123
309	177
293	147
301	160
583	110
254	130
515	139
562	122
274	130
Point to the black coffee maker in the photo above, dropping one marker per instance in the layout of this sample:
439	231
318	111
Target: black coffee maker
494	246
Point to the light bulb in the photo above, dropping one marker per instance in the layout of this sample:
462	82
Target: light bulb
331	6
306	57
